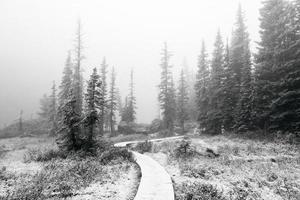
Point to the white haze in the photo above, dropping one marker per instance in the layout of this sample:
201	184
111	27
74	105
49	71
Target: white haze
35	36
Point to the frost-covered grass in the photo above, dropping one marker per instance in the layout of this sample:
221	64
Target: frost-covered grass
224	167
111	174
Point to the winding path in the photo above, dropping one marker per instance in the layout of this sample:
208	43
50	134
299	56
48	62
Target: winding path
155	184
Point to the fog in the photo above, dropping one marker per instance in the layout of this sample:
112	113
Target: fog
36	35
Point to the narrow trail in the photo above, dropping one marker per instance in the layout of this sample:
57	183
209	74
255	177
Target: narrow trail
156	183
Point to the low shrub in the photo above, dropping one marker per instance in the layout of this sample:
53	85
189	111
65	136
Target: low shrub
116	153
185	150
143	147
204	172
197	191
165	133
242	190
155	126
43	155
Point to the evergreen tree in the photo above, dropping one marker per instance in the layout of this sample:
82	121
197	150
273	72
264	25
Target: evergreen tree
44	112
267	60
48	110
120	107
191	81
201	88
243	118
131	101
66	82
69	138
20	127
241	62
104	106
125	116
228	102
94	100
285	108
77	79
214	114
182	101
112	103
167	91
233	73
53	110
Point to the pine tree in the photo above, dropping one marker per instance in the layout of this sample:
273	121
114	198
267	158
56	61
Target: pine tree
77	79
241	62
119	104
182	101
131	101
285	108
243	118
53	110
167	91
44	112
20	126
214	114
104	106
233	72
191	81
66	82
201	88
124	116
69	132
112	103
228	102
267	60
48	110
94	100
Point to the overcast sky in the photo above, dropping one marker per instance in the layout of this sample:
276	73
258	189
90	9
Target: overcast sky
35	36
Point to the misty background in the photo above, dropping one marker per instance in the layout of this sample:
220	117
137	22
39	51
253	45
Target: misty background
35	37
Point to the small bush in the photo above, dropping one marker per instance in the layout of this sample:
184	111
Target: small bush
204	172
143	147
155	126
115	153
197	191
43	155
165	133
185	150
242	190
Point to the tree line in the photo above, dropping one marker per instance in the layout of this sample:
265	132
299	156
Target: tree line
237	90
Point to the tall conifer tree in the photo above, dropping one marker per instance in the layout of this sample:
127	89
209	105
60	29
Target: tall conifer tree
94	100
104	106
182	101
77	79
201	88
214	113
112	103
267	60
167	91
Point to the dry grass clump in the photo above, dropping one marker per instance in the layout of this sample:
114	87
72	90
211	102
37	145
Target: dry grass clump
43	154
197	191
199	171
166	147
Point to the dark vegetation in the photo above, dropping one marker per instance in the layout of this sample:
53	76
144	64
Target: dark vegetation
64	174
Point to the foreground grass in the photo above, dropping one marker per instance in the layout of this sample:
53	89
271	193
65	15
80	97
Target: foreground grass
112	174
223	167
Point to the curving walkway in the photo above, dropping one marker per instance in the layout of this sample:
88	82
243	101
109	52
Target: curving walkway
155	184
